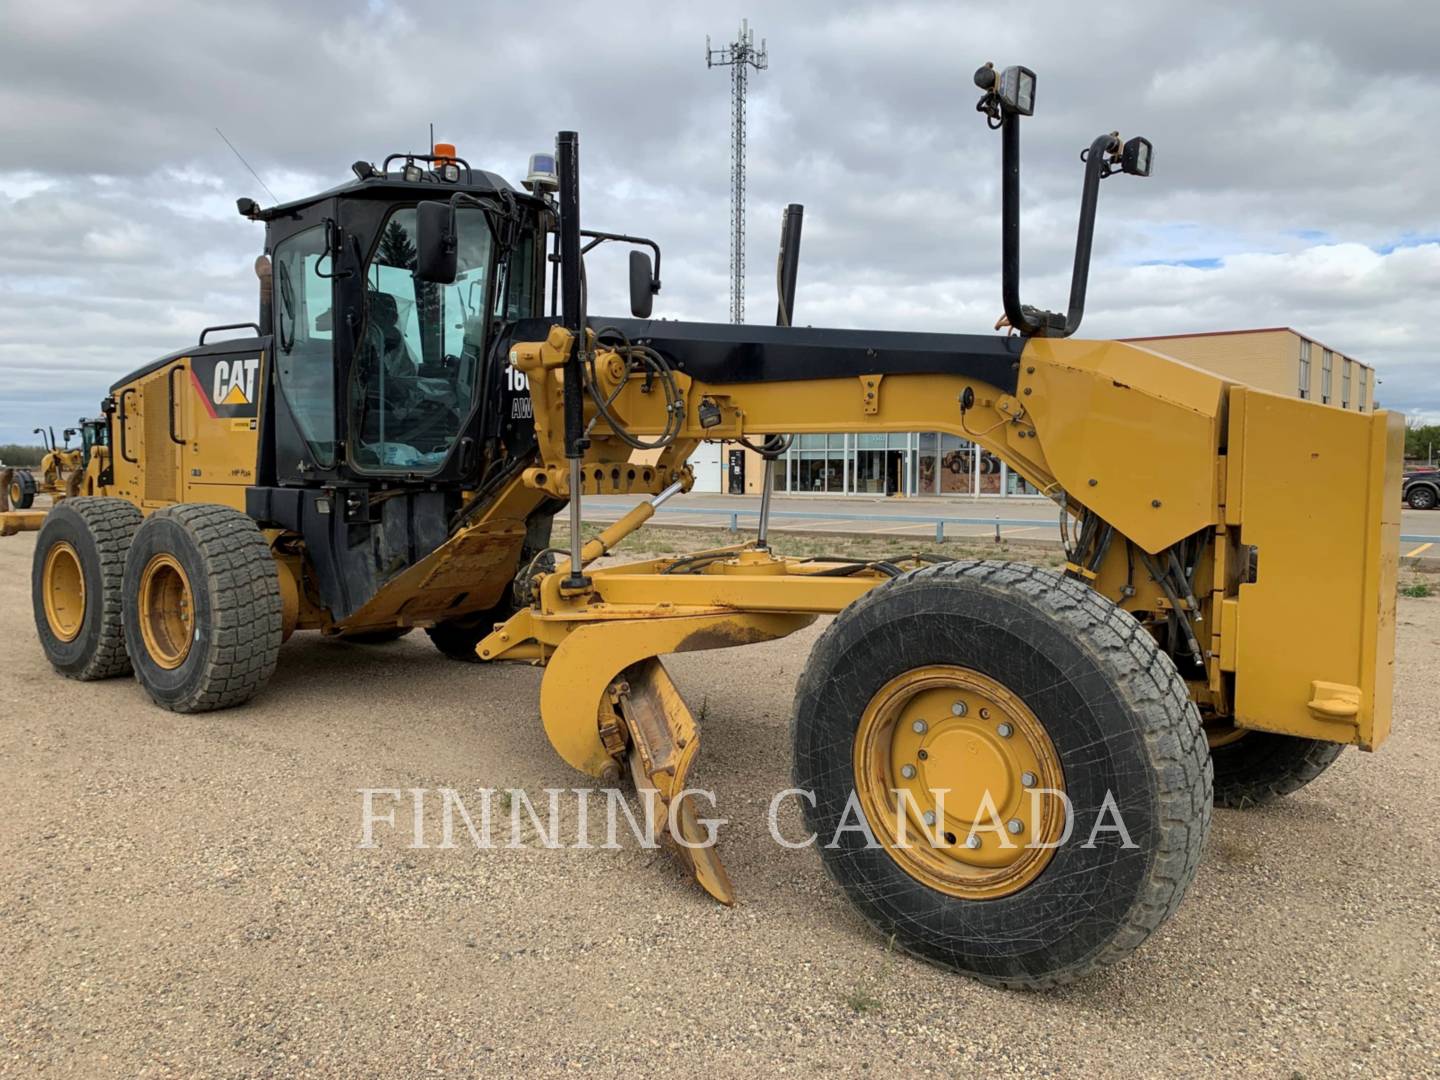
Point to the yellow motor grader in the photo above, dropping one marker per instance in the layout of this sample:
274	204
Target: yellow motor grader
1010	771
62	469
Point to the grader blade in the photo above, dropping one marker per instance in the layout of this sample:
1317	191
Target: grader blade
664	739
18	521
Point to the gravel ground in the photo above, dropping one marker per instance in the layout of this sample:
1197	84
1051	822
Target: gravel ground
186	896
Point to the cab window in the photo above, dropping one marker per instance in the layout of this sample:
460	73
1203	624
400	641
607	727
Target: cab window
303	323
413	382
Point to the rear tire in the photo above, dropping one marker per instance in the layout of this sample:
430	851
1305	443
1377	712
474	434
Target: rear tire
1261	766
202	607
1116	715
22	490
76	584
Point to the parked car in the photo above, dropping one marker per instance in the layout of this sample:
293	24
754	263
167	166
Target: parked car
1421	489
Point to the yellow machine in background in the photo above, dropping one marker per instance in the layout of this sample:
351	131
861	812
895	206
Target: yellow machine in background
63	472
1010	771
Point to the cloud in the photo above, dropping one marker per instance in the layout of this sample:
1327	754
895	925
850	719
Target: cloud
1290	185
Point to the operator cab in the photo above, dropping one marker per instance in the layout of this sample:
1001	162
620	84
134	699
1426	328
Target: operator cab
376	374
93	432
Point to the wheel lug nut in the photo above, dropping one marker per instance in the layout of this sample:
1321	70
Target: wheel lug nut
1027	779
919	727
1005	731
908	772
1016	826
959	709
929	817
972	841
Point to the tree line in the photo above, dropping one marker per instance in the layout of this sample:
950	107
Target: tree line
1422	442
25	456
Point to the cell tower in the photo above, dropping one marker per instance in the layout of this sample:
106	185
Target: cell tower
739	56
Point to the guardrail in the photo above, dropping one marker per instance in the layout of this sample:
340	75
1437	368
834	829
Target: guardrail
939	521
906	519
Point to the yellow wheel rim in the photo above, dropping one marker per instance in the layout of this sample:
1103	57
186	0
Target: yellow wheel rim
167	611
63	584
15	493
957	778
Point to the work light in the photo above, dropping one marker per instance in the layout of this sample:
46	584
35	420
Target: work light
450	172
412	173
1135	158
543	175
1017	90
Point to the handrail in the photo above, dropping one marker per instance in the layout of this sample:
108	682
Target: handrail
232	326
170	389
123	418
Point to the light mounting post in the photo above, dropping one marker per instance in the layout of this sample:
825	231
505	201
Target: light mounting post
1009	95
567	147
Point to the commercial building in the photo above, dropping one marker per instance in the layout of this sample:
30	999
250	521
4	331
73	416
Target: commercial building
1277	359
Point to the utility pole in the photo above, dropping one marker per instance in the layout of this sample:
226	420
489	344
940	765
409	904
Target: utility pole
739	56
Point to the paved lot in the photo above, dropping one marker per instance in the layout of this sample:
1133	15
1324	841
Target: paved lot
184	896
1027	519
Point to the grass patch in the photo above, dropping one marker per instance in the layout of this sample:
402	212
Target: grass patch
862	999
1416	589
654	541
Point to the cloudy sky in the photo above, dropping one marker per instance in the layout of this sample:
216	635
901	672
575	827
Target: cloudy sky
1295	179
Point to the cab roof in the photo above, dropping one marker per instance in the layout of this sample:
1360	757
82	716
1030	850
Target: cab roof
393	185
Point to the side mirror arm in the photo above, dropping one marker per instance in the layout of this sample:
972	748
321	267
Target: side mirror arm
1105	156
1096	169
598	238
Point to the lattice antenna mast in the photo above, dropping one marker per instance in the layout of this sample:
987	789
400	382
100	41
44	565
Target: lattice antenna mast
739	56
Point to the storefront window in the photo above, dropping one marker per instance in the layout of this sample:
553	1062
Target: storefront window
781	468
1015	484
820	471
893	463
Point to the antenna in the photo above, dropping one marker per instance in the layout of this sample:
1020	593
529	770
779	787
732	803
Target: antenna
738	56
247	165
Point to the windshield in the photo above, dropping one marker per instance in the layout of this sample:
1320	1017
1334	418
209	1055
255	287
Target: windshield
414	378
94	433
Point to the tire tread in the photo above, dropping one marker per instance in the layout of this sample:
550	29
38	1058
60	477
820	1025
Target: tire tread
111	524
246	609
1173	735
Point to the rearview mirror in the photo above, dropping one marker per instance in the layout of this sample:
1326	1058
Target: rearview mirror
436	250
643	285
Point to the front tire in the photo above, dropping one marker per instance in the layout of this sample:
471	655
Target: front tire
76	586
22	490
1261	766
459	638
1003	677
202	608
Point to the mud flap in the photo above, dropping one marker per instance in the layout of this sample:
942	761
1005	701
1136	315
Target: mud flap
664	739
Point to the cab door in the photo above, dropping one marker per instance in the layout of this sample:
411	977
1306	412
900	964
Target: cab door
305	433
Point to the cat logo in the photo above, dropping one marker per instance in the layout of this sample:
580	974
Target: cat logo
228	386
234	381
